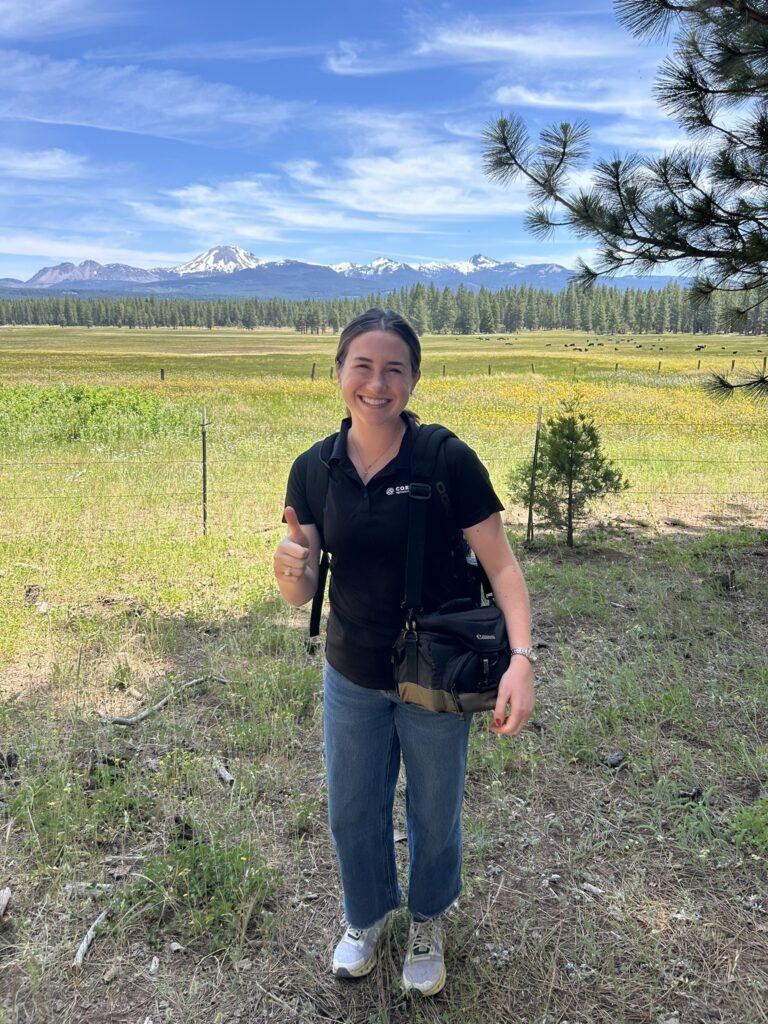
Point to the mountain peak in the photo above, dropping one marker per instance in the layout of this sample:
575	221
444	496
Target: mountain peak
222	259
384	263
478	260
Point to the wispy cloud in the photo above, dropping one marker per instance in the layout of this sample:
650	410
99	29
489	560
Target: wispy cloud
472	41
43	164
31	19
82	247
252	51
407	181
259	209
596	96
130	99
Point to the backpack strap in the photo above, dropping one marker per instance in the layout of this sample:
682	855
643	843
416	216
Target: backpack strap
429	471
318	478
424	457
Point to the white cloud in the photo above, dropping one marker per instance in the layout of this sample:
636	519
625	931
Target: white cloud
258	209
45	164
233	50
472	41
442	182
22	19
354	58
405	182
130	99
597	97
75	248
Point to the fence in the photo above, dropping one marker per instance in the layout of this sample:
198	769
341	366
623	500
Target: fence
212	493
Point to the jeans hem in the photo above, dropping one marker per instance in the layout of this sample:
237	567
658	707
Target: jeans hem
433	917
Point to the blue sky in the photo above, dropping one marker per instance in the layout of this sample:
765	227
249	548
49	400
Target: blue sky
145	132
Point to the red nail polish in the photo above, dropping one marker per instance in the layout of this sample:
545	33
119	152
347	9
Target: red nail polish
497	722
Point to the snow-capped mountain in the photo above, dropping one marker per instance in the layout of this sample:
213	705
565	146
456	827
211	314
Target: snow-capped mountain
90	270
229	271
222	259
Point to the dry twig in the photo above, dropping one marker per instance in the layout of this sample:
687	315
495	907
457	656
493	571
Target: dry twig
85	945
141	715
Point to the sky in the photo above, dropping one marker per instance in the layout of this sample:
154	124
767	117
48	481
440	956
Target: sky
147	132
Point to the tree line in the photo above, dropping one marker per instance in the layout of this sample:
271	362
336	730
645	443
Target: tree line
602	310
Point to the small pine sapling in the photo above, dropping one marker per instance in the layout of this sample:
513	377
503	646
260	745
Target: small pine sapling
572	472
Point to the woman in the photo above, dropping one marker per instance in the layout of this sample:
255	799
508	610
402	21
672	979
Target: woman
367	726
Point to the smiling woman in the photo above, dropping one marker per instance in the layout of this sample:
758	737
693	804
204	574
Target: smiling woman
364	522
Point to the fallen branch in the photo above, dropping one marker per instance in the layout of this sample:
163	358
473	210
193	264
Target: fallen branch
5	899
134	719
85	945
88	888
273	997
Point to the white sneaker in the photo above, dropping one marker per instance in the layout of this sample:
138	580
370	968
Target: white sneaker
358	950
424	967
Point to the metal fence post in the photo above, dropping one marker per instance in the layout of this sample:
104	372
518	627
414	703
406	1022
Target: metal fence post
532	491
205	472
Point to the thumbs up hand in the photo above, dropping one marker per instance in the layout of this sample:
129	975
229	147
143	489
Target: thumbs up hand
292	551
295	531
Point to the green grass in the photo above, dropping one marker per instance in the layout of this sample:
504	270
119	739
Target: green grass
592	893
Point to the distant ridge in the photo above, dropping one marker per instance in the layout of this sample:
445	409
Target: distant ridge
228	271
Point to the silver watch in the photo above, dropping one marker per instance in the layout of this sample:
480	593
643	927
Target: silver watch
527	652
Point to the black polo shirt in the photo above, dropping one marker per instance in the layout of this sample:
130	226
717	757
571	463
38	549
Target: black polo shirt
366	530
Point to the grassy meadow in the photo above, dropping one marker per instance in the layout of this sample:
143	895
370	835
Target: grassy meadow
615	852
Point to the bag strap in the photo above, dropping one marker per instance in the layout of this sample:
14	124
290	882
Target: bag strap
426	447
428	467
318	479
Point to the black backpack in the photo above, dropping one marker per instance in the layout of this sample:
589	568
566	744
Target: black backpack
429	471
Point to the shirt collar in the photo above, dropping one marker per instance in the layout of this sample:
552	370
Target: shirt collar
339	450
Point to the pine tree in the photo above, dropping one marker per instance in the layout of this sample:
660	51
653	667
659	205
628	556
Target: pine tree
703	205
572	472
467	321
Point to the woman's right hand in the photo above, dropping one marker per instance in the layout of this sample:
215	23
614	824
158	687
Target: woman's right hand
292	554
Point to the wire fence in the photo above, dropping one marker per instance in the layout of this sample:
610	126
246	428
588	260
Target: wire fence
183	498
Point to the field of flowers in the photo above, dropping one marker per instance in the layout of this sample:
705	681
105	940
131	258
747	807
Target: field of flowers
101	468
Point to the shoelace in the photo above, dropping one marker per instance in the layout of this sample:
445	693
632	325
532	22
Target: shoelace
423	940
354	933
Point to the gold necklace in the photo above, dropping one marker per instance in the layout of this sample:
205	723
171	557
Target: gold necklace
365	472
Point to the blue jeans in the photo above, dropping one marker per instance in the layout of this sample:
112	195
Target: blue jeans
366	731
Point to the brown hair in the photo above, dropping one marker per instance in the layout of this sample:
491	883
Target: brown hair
380	320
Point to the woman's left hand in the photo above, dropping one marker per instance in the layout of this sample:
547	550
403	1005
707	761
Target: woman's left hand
516	691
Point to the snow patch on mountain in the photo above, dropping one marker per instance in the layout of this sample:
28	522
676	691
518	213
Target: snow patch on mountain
222	259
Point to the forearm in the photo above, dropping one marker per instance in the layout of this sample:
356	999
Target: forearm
511	596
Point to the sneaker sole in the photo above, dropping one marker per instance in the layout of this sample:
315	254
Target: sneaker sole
437	987
357	972
367	967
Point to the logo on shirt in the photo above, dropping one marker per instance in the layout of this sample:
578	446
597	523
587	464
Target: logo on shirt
401	489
